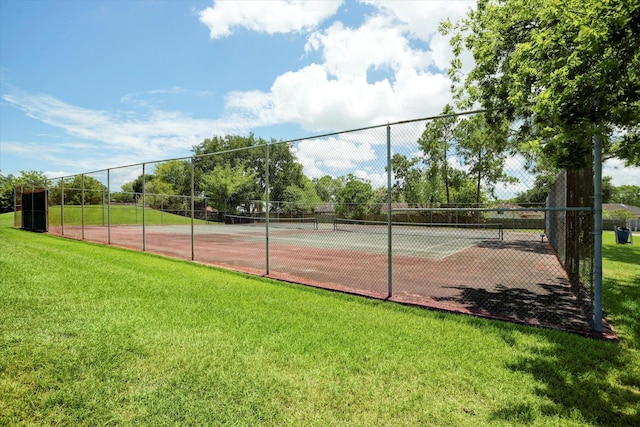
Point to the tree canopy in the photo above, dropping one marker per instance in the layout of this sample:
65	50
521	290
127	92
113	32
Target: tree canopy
568	69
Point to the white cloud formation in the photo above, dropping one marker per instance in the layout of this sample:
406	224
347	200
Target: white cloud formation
333	155
284	16
381	71
124	137
621	174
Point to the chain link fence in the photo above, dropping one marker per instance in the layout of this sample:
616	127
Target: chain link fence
440	213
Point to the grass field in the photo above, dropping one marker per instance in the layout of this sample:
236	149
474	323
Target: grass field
97	335
120	214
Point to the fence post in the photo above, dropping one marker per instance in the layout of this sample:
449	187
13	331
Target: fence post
389	218
82	204
266	196
144	190
33	205
108	206
62	206
597	233
193	183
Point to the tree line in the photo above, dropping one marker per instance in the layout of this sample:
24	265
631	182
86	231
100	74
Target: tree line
552	75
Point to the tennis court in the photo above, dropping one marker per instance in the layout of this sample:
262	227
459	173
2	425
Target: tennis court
482	269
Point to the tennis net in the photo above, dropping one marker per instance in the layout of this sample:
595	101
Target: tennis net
461	230
302	223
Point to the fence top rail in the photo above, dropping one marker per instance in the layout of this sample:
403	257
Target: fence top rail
290	141
570	209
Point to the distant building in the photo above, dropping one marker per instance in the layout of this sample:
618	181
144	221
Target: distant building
611	222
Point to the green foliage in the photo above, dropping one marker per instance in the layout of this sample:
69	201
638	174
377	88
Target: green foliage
94	192
249	154
8	183
477	144
227	185
483	147
568	69
437	142
407	177
6	193
538	193
619	214
176	173
626	194
328	187
355	200
299	200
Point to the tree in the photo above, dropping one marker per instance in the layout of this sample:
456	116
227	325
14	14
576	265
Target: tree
483	148
607	189
29	179
435	142
6	193
355	199
568	70
305	199
227	186
94	192
328	187
176	173
626	194
538	193
407	179
249	153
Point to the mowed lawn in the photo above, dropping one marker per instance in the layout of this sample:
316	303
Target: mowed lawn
97	335
115	214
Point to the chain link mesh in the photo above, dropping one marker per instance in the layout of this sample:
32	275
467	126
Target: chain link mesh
414	212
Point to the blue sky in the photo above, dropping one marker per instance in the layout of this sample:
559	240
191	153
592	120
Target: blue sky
88	85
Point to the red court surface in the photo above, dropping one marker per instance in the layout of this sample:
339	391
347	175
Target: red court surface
517	279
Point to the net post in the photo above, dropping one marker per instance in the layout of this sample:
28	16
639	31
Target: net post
389	218
597	233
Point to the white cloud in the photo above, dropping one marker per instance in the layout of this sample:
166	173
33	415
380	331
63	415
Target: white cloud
266	16
621	174
422	17
376	179
112	138
332	156
340	92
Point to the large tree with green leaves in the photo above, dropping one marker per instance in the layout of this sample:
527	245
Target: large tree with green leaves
176	173
249	154
355	199
483	147
227	185
569	69
328	187
27	178
436	143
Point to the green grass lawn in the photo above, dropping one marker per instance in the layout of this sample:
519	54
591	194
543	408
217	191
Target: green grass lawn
120	214
97	335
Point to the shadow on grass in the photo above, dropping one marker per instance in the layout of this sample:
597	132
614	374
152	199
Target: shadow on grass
628	254
589	380
582	378
622	306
